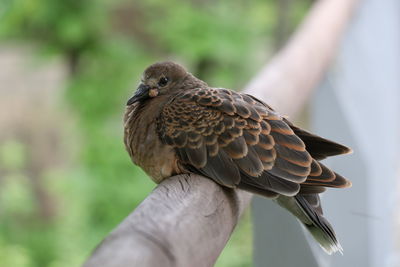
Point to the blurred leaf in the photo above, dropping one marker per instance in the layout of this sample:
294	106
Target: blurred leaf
12	155
15	197
14	255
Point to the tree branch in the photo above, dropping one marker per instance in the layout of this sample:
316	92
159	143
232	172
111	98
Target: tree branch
187	219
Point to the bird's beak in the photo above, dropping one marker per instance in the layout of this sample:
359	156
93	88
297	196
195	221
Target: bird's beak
142	92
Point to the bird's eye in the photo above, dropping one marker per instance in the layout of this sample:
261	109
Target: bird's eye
163	81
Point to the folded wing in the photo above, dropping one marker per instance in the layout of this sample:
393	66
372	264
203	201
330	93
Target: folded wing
239	141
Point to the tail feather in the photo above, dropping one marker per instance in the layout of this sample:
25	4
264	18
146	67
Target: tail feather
310	214
319	227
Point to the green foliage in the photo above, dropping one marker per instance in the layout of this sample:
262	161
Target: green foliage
223	34
13	255
107	44
12	155
60	25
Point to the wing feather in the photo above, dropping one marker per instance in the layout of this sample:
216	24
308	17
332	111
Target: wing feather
239	141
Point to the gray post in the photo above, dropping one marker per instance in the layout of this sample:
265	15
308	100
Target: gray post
358	105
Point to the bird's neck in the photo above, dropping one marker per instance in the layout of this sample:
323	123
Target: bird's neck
191	82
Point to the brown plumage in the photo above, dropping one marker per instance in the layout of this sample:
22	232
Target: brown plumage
175	123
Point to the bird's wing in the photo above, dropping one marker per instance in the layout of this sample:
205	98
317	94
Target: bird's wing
239	141
318	147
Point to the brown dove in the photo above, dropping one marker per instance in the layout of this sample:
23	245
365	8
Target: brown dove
175	124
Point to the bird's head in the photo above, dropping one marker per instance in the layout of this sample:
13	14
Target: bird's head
159	79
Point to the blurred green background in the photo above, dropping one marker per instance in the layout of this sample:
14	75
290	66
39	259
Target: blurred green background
65	178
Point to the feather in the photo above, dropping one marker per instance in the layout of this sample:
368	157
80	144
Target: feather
236	149
319	227
265	155
326	174
180	140
250	164
289	141
256	189
311	189
279	185
266	142
338	182
250	138
316	169
197	156
291	168
227	107
212	149
241	109
281	127
319	147
300	157
222	169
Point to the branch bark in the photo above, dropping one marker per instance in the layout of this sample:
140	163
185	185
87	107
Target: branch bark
187	219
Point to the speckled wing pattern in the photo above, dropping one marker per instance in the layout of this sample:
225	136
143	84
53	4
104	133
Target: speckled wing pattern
239	141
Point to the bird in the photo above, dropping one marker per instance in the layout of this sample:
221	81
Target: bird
176	124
